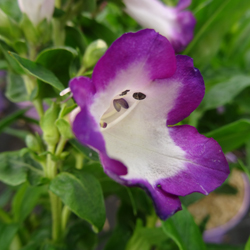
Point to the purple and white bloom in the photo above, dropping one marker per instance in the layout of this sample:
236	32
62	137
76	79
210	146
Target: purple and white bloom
37	10
172	22
138	91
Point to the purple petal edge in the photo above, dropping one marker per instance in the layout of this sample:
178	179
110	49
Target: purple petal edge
192	91
145	46
206	165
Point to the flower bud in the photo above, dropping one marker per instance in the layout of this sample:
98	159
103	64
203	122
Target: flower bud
93	53
64	128
47	123
37	10
32	143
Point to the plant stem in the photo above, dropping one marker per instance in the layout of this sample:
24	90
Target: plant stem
60	146
54	200
65	217
56	204
56	209
30	85
81	71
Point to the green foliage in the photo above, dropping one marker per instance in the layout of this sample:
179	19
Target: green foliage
232	136
58	61
11	168
54	191
7	233
24	201
83	195
38	71
16	90
183	230
11	118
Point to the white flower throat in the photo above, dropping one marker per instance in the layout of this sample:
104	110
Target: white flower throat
120	107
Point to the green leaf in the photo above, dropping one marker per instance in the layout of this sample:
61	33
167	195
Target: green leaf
191	198
225	92
38	71
223	247
226	188
145	238
95	30
75	39
83	195
8	27
58	61
11	8
16	90
182	229
212	25
7	233
91	154
5	122
80	234
11	169
40	235
247	247
232	136
12	62
24	201
89	5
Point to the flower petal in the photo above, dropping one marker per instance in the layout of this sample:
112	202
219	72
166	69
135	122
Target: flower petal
145	51
165	204
191	92
206	167
87	130
82	89
183	4
171	22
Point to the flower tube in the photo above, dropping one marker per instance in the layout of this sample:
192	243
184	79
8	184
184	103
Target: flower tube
172	22
139	90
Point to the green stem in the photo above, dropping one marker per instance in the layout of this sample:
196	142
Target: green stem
54	200
65	217
60	146
30	85
79	160
81	71
58	32
56	209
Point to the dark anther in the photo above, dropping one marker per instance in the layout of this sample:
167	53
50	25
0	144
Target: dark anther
159	186
119	103
139	96
124	92
103	124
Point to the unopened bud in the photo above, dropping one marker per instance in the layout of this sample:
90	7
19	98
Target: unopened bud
64	128
93	53
37	10
50	131
32	143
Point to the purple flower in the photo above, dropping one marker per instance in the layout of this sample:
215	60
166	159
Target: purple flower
172	22
138	90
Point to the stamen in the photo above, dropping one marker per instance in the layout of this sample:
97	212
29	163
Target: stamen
103	124
118	103
139	96
124	92
70	96
65	91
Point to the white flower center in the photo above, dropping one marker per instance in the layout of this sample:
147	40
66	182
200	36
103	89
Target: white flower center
121	106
